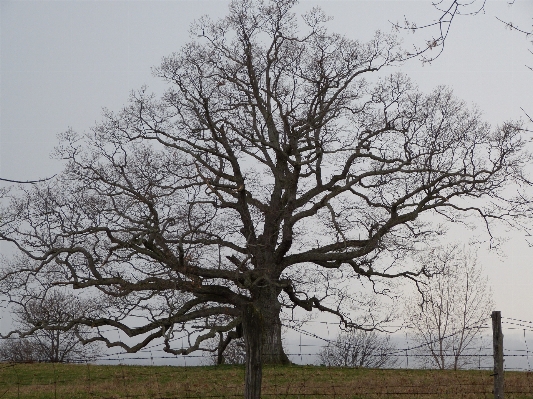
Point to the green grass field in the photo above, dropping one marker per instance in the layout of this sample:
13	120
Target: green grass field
110	382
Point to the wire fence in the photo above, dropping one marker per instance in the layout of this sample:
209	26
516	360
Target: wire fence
151	373
127	381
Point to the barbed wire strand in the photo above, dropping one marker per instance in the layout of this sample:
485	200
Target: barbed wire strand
522	321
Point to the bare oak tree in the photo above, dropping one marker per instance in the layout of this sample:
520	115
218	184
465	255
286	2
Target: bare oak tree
44	334
457	302
270	162
359	348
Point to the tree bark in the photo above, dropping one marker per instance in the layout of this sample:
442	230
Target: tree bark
269	307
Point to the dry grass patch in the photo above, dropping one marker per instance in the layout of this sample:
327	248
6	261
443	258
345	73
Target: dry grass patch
44	381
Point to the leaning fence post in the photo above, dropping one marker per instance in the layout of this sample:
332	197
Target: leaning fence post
497	344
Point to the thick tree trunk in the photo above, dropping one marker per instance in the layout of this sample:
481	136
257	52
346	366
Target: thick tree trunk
270	307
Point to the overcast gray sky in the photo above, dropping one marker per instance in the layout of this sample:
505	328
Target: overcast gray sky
62	61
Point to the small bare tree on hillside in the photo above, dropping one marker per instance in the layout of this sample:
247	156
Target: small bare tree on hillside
18	350
359	348
457	301
45	332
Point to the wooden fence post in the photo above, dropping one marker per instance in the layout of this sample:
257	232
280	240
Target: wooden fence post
497	344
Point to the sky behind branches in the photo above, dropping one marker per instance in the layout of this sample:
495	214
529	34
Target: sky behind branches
61	62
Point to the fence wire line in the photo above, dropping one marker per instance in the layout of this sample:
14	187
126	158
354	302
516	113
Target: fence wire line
426	344
300	386
521	321
520	326
398	353
123	377
304	388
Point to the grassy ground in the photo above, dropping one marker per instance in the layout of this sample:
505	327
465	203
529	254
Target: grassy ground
110	382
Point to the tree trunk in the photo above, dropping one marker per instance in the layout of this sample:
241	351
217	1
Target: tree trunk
270	308
252	325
